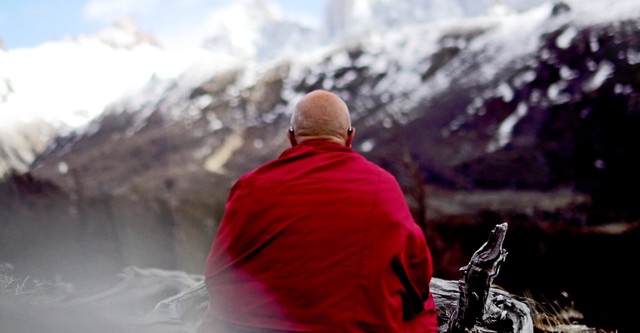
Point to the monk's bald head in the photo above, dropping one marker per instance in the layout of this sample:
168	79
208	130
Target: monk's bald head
321	115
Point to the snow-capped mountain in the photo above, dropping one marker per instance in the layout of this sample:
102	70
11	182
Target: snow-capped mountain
410	64
63	85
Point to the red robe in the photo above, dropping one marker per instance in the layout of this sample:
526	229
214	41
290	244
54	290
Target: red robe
319	240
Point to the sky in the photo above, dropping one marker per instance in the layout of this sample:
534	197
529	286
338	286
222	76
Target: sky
28	23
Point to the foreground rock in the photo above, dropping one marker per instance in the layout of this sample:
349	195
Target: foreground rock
505	313
475	305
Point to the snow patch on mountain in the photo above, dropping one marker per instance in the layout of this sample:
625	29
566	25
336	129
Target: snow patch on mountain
256	30
124	33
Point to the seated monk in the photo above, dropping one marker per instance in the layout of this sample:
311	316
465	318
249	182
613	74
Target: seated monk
319	240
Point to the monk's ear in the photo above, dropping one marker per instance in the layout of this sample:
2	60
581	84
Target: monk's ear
292	137
351	132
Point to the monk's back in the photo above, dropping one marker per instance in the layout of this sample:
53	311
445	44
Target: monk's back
306	244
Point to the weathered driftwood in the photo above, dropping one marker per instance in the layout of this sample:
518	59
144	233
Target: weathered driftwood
468	305
477	277
481	308
503	313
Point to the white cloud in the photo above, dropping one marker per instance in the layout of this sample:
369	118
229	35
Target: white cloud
110	10
312	20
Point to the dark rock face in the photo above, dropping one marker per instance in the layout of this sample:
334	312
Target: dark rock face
544	143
